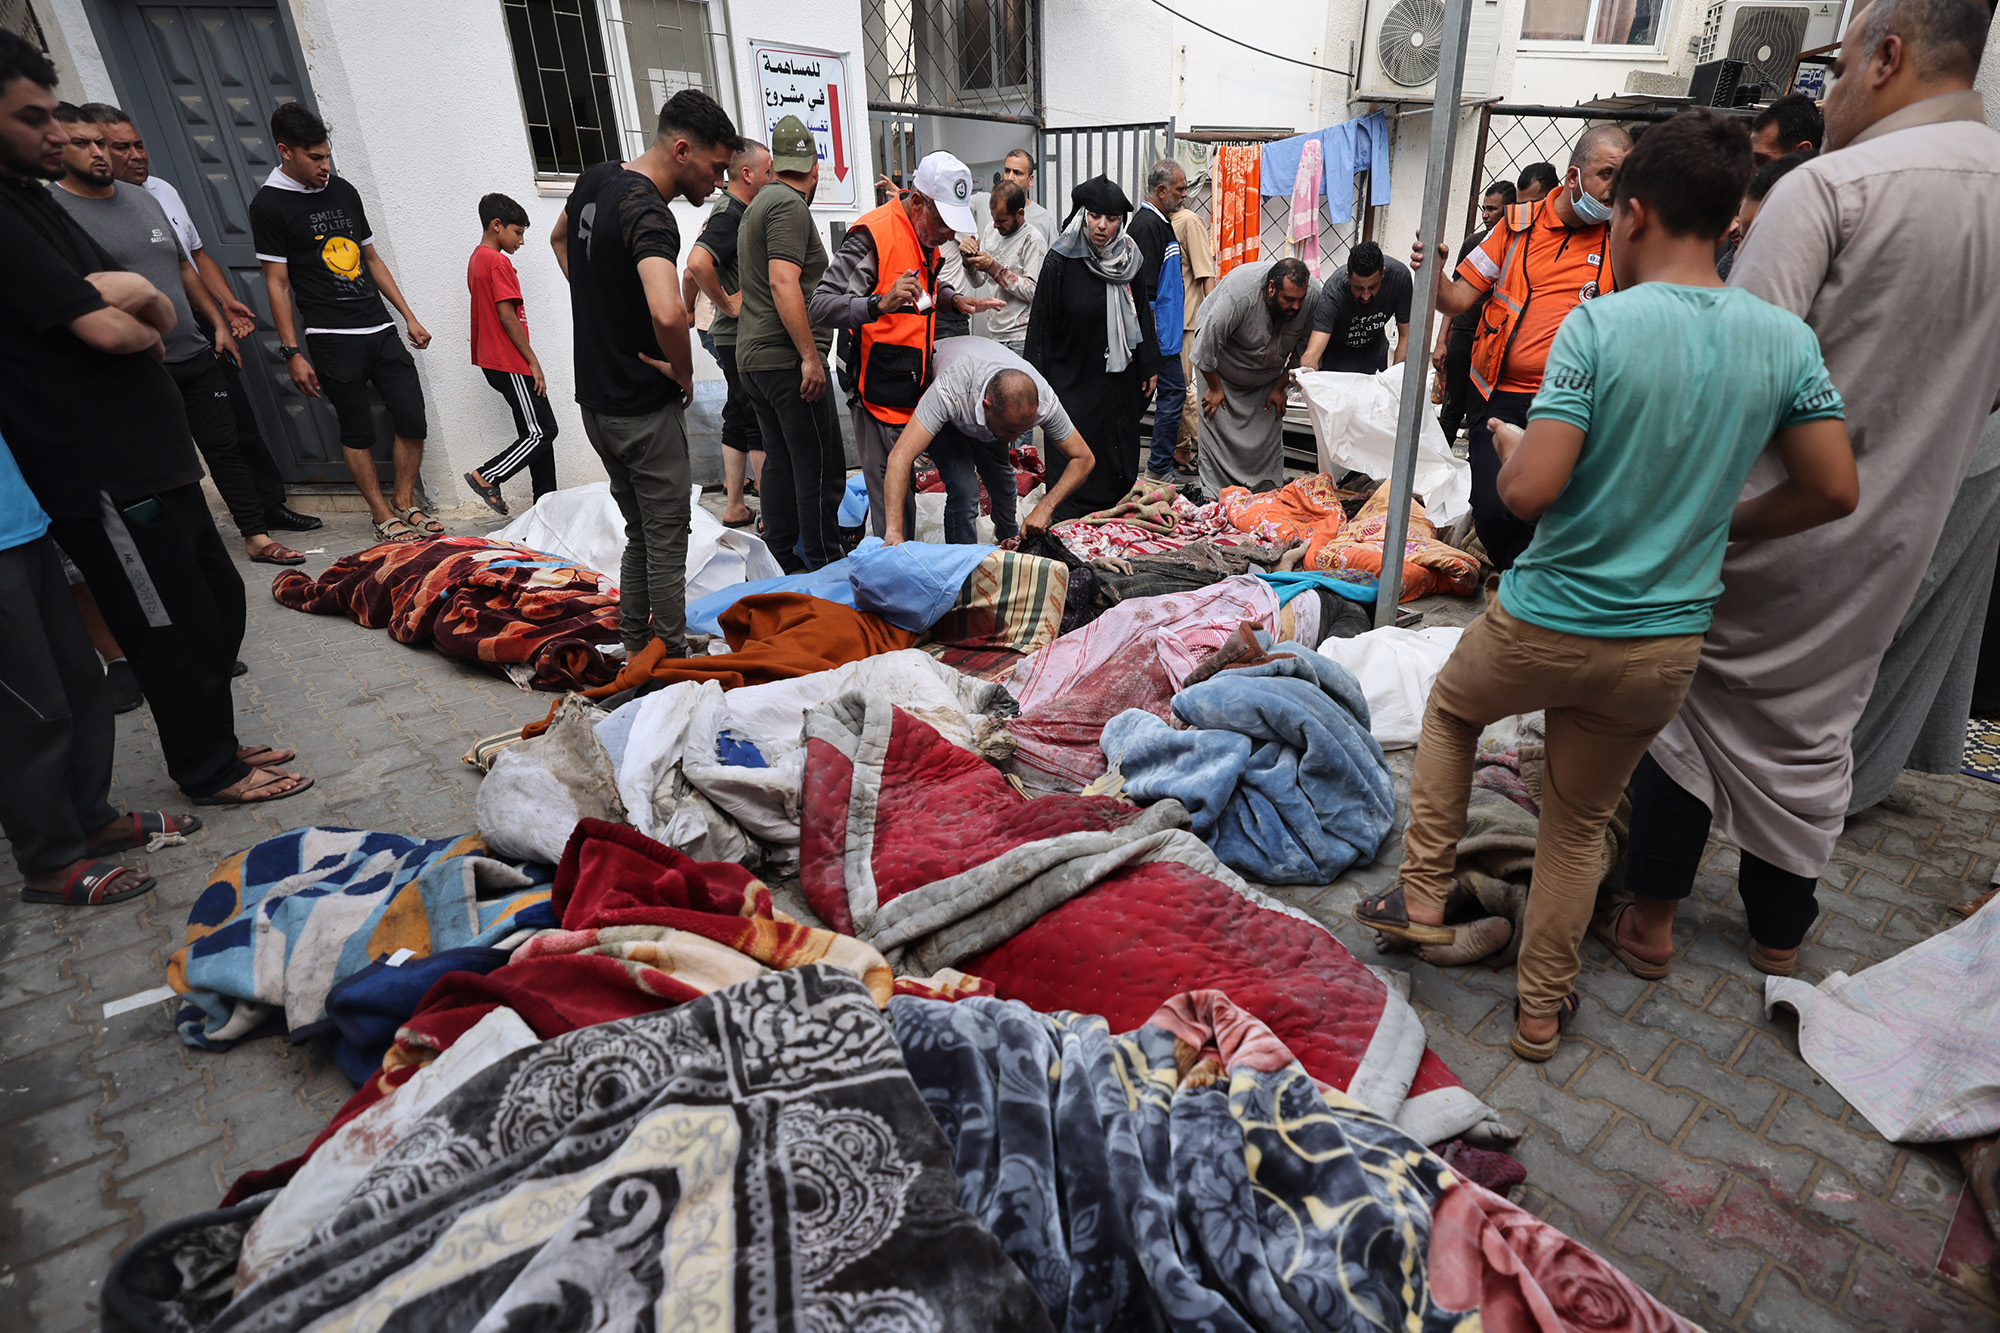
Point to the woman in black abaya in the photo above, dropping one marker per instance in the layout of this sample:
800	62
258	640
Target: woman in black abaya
1090	334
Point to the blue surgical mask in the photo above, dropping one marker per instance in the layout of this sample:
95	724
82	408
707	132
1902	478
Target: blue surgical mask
1587	208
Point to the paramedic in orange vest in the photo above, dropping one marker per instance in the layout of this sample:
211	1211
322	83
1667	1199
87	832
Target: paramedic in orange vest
882	292
1539	262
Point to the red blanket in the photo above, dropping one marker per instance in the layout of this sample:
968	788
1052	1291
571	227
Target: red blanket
891	809
489	602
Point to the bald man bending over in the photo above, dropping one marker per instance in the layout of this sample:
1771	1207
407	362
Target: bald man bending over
983	398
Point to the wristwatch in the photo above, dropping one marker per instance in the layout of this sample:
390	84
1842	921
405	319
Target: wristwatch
287	353
874	306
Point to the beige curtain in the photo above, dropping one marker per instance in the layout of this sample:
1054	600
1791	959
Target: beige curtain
1614	22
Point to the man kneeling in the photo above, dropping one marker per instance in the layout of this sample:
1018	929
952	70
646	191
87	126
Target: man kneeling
983	398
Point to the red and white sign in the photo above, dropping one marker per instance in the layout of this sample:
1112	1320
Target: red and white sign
812	85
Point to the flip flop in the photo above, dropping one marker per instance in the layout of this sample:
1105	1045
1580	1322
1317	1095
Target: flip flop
488	492
265	756
1772	967
739	522
1605	928
429	526
145	826
397	532
249	797
1539	1051
1387	913
277	553
93	886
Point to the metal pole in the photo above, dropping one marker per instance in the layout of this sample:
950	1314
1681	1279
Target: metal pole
1416	359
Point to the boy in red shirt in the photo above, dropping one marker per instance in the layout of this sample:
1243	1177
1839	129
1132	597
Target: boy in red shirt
500	349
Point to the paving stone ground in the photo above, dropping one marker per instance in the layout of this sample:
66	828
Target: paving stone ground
1677	1131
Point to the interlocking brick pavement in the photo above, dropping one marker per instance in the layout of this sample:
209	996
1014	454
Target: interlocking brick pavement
1677	1131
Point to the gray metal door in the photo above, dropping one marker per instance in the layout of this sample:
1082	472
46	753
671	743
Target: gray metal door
1074	154
898	143
202	81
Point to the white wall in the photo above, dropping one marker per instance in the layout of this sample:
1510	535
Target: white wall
81	75
1988	79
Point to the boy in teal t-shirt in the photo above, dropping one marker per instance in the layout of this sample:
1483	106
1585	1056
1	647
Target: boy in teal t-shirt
1656	402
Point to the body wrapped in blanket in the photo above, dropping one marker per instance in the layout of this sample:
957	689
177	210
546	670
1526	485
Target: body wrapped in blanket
502	605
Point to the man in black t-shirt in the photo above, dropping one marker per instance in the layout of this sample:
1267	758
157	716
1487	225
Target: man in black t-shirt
326	285
1350	330
96	424
618	243
711	268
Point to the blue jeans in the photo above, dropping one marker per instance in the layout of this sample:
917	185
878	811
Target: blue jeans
964	462
1168	404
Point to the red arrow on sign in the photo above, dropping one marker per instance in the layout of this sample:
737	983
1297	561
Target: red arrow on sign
833	122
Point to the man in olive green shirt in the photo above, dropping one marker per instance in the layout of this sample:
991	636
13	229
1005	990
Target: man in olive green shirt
711	270
781	359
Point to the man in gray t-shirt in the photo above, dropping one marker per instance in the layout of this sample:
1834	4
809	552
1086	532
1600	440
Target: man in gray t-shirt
131	228
982	397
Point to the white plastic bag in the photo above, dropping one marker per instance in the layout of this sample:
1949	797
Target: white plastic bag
1354	421
583	523
1395	668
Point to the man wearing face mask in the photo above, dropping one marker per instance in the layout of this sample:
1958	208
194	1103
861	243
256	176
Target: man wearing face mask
1540	262
883	290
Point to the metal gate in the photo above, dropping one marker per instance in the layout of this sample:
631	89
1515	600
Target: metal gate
1072	154
898	143
202	81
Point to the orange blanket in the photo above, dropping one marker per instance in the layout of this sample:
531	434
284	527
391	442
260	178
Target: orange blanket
1428	564
773	636
1306	510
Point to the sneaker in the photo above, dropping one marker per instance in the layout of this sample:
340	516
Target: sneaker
123	682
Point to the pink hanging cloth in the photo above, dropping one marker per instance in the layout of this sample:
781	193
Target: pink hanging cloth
1305	205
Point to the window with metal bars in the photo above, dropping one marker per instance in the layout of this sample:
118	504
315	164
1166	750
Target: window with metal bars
594	73
952	56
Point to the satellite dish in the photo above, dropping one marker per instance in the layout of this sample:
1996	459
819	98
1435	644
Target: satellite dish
1410	42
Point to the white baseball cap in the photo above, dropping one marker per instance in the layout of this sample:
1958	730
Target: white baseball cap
947	182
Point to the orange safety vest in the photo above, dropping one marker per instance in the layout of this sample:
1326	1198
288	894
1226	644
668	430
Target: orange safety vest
1500	316
895	350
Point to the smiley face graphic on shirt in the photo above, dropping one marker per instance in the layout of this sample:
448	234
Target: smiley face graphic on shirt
342	257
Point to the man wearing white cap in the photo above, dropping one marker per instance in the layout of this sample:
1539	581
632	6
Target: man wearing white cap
882	292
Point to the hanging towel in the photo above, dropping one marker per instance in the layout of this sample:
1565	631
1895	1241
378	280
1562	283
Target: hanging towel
1305	208
1371	154
1239	210
1347	148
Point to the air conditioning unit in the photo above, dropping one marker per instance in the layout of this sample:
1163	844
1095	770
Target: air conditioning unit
1766	37
1403	40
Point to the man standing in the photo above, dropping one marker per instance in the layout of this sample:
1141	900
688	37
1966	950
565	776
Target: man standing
326	283
131	164
1252	332
1535	182
618	243
97	427
1792	124
1452	358
712	268
983	399
133	230
1008	255
1197	281
1350	332
1166	187
782	359
1540	261
1019	169
883	286
1909	182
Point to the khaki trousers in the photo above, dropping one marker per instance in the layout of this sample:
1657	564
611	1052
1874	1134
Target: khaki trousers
1605	699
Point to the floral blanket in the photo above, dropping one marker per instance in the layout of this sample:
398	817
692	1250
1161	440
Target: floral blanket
495	603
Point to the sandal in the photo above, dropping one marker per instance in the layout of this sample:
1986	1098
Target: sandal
265	756
488	492
1387	913
419	520
739	522
277	553
1605	928
1770	965
1539	1051
397	532
247	788
146	825
92	885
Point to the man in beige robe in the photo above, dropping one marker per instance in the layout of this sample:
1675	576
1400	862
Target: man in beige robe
1910	185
